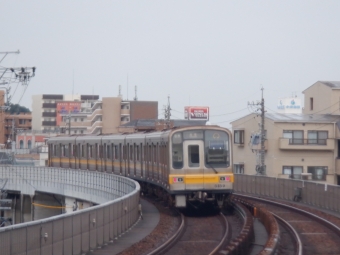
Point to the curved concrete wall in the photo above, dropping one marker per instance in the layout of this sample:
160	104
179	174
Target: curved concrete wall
320	195
77	232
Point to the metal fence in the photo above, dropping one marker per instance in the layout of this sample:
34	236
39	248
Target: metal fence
321	195
77	232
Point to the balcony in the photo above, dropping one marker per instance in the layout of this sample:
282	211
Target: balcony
49	114
306	144
49	105
51	96
49	123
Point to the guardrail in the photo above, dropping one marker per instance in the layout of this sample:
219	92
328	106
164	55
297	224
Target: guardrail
321	195
77	232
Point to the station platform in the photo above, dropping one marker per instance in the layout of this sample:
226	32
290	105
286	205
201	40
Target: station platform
142	229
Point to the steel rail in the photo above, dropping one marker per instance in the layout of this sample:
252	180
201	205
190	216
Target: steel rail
295	234
330	224
224	238
172	240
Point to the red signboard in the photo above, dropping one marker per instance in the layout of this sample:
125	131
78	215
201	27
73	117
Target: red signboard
66	108
196	112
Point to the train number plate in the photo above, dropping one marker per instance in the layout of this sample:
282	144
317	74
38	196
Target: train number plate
219	186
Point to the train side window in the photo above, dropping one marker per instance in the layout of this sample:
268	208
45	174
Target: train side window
62	150
66	151
131	152
177	151
90	155
116	152
108	151
137	152
83	151
194	155
55	150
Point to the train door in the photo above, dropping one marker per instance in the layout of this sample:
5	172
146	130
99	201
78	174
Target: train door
194	164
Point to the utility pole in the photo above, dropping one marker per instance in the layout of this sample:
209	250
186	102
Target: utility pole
261	167
69	124
167	114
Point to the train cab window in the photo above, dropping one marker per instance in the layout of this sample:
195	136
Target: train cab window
194	155
216	145
177	151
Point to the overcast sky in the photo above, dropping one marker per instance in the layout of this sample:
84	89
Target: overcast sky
205	53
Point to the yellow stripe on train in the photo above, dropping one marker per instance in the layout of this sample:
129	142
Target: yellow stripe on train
200	178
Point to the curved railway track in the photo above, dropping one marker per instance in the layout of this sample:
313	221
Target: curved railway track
313	232
197	235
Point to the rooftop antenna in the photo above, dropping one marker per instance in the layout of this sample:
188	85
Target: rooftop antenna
120	91
72	84
135	98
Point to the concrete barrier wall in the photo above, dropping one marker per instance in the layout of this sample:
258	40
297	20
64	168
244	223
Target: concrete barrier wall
311	193
77	232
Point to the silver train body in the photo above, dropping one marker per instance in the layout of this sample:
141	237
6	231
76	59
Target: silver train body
182	165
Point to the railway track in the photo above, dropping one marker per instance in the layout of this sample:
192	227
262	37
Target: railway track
199	235
302	230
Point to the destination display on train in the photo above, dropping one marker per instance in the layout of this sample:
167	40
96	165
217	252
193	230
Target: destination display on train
196	112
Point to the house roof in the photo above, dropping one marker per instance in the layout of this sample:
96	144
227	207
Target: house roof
330	84
151	123
306	118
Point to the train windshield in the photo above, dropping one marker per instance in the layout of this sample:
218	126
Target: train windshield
216	148
216	144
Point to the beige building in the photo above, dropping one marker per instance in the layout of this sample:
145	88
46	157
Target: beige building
104	117
297	145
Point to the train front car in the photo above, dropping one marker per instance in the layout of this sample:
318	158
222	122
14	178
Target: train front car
200	165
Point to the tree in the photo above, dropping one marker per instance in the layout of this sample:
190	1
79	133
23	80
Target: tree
17	109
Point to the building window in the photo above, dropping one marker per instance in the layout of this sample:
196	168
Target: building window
294	172
318	172
238	168
317	137
311	102
21	144
239	136
294	136
29	144
81	119
82	131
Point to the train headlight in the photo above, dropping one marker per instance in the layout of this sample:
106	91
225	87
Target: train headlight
225	178
178	179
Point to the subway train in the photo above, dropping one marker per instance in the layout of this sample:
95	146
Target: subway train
183	165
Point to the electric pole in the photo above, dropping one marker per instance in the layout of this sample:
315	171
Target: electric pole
167	114
261	167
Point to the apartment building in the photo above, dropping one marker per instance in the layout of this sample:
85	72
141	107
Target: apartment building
296	145
47	109
104	117
14	124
